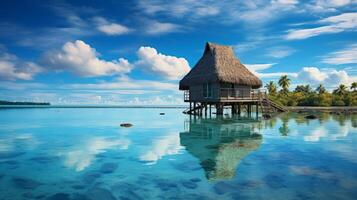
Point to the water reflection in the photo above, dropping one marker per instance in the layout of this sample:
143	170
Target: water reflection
82	156
220	145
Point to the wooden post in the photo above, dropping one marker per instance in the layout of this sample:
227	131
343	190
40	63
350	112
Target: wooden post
239	109
219	109
194	107
205	109
210	109
256	110
234	109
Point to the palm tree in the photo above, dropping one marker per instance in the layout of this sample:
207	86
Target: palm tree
271	86
341	90
354	86
321	89
303	88
284	82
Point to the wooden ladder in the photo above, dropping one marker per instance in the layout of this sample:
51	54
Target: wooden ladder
268	106
192	111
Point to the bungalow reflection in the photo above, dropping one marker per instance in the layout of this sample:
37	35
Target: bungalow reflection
220	144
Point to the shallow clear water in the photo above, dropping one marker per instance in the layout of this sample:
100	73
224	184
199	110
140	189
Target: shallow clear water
69	153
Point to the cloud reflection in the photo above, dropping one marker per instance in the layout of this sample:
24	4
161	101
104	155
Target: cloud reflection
166	145
83	156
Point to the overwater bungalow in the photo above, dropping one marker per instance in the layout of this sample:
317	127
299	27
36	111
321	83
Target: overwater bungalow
219	79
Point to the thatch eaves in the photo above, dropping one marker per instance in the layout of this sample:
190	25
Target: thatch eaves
219	64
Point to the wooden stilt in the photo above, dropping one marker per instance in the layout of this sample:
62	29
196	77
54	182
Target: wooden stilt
219	109
194	107
234	109
205	109
239	109
256	110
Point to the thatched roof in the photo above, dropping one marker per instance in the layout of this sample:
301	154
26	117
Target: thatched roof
219	64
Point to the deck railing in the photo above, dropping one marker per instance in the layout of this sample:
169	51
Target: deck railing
235	93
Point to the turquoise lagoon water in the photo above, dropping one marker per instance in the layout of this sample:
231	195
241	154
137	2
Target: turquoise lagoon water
83	153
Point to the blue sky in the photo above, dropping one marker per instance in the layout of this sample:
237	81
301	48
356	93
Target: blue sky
135	52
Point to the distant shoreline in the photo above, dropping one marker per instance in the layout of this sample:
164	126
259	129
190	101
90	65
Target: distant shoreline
23	103
323	109
85	106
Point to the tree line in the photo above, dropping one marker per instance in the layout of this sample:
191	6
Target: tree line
305	95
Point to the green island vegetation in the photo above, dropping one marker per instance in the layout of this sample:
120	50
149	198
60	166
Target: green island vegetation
305	95
23	103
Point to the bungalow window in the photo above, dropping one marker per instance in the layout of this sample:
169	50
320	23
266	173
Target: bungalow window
207	90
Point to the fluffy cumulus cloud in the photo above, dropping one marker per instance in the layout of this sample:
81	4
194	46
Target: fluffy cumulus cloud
110	28
81	59
13	68
333	77
344	56
333	24
169	67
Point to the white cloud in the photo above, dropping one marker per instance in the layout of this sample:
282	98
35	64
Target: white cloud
110	28
287	2
335	24
125	83
155	27
279	51
345	56
257	68
329	5
79	58
12	68
331	78
253	12
169	67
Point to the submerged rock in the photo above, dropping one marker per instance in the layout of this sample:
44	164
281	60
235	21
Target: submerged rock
25	183
196	180
274	181
127	125
165	185
78	187
59	196
128	191
310	117
223	187
90	177
162	113
108	168
97	193
189	184
79	197
43	159
6	155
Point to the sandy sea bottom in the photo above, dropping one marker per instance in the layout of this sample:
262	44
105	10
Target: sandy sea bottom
83	153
